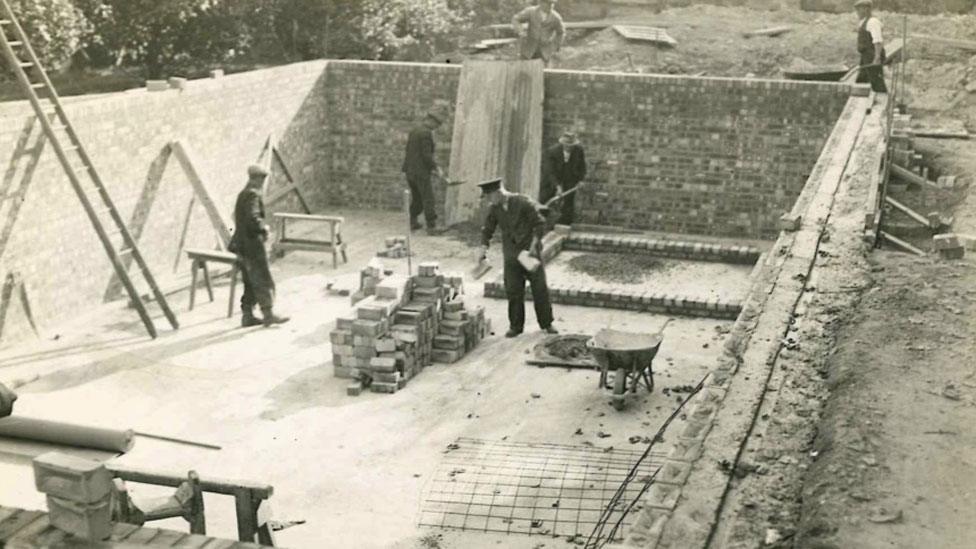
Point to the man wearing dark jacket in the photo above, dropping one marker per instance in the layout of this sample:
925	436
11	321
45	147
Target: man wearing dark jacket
522	226
870	47
564	166
250	234
7	398
419	165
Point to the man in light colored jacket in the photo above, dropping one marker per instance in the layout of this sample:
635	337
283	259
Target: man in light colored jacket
544	35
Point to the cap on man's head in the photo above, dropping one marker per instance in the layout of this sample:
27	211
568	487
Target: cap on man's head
257	170
863	4
569	138
490	186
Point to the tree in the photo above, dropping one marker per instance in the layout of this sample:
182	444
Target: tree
411	29
56	29
164	34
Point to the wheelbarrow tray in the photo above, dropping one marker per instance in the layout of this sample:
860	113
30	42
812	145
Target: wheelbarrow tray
615	349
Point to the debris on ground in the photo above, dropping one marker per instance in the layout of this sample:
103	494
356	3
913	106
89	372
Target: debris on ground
618	268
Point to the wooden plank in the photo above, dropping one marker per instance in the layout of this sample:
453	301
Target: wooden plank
193	541
168	538
568	25
122	530
30	532
16	522
769	31
141	536
292	184
215	485
497	133
893	50
910	177
966	45
219	544
941	133
901	244
214	212
310	217
921	219
646	34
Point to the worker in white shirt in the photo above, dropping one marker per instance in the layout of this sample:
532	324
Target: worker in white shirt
870	45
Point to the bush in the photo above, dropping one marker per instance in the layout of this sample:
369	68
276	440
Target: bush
56	29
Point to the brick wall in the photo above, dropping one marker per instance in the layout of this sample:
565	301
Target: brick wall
711	156
50	244
697	155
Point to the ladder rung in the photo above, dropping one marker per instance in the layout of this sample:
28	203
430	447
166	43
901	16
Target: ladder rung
125	251
39	86
25	64
15	43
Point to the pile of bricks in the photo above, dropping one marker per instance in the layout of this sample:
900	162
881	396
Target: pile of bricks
404	325
395	248
370	276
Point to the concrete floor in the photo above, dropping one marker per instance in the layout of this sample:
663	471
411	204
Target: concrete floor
353	467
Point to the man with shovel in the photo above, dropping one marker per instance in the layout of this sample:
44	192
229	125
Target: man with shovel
522	226
870	46
563	167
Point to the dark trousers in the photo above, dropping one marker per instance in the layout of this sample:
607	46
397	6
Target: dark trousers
259	287
566	206
422	199
515	277
874	74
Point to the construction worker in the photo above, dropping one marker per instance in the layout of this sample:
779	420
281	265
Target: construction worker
870	46
419	165
7	398
250	235
564	166
522	227
545	32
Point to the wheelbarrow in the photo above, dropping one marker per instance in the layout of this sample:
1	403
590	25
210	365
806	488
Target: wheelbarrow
630	356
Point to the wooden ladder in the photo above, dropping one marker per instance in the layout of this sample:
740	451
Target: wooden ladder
76	162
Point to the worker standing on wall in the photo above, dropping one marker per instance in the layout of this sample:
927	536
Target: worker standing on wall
522	227
419	166
250	235
544	35
870	46
563	167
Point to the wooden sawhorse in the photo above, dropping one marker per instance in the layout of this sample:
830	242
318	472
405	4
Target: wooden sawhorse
199	260
334	245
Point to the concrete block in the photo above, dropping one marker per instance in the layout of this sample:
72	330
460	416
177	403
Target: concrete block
72	478
382	387
789	222
446	356
385	345
177	83
157	85
92	522
354	389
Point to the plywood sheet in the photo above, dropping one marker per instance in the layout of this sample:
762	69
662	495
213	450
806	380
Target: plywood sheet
497	133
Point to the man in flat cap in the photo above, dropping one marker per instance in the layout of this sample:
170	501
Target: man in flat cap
250	235
870	46
419	165
563	167
522	227
544	35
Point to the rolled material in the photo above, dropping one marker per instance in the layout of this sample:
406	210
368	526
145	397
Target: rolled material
67	434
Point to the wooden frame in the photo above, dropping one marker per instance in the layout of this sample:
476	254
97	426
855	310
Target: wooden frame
199	259
271	145
334	245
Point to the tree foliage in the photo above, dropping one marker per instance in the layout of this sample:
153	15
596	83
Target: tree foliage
411	29
56	28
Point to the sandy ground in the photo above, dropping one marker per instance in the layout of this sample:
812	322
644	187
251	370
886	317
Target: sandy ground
354	468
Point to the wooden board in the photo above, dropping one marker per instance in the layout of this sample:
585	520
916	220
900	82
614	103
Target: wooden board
497	133
966	45
214	211
656	35
771	31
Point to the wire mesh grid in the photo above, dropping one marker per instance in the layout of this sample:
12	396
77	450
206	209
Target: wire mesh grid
529	488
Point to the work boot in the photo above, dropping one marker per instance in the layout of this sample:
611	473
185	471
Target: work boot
433	229
270	318
415	225
550	329
512	332
248	319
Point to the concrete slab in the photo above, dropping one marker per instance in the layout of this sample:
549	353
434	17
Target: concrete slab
353	467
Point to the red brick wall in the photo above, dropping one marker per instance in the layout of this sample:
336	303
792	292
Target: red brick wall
51	244
697	155
711	156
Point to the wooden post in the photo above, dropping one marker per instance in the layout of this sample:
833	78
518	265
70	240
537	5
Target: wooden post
202	192
197	519
247	523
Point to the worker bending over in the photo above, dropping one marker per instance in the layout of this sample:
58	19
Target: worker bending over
563	167
545	32
522	226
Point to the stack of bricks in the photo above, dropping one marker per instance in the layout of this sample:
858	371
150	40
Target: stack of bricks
406	324
394	247
369	277
79	494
